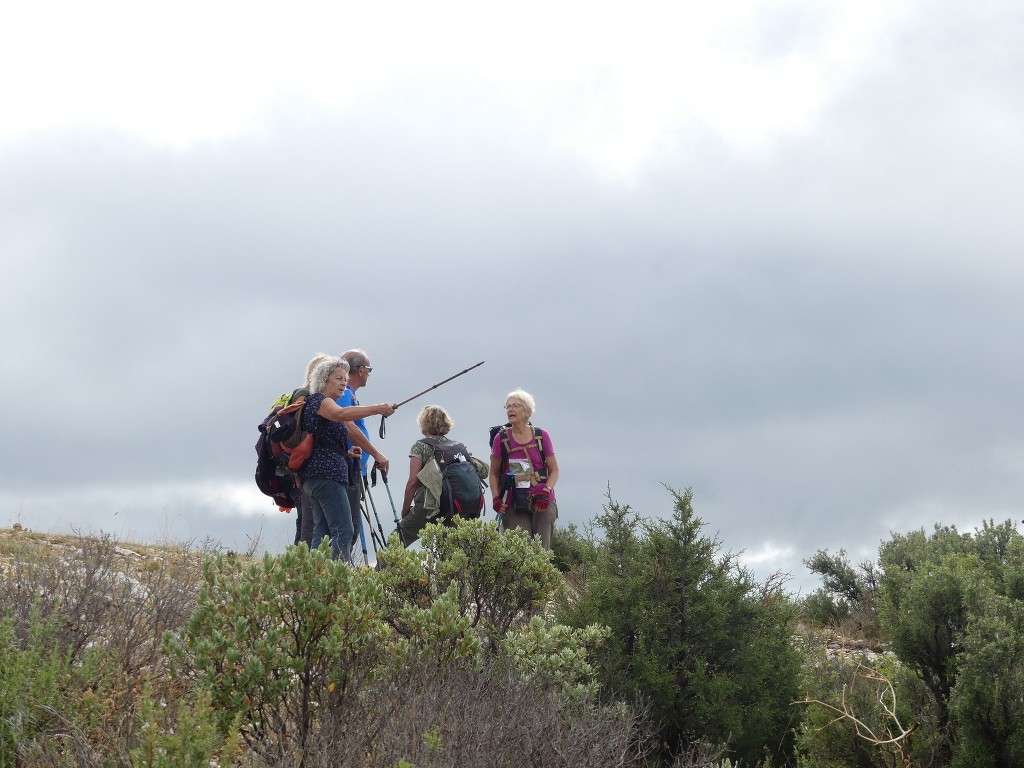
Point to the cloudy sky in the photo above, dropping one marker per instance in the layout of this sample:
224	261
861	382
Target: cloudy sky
766	249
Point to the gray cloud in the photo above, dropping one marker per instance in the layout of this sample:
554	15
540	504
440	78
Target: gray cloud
820	337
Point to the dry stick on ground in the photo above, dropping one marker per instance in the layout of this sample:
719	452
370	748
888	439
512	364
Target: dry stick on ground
887	701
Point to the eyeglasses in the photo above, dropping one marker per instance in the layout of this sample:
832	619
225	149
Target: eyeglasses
516	406
368	368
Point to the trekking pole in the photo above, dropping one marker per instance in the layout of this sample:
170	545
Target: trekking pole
383	538
362	540
384	477
355	466
365	508
396	406
506	491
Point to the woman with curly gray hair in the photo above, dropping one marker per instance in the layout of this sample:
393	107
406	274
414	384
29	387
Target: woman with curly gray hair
303	504
324	476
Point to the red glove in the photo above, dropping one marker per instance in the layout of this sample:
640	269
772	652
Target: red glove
498	505
540	499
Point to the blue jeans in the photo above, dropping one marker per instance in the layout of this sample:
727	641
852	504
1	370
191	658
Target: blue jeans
331	515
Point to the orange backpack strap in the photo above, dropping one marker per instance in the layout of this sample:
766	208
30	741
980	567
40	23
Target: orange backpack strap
540	475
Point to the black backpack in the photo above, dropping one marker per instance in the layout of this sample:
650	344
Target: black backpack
461	487
281	449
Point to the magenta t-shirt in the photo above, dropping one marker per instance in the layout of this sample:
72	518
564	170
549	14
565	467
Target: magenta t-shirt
521	451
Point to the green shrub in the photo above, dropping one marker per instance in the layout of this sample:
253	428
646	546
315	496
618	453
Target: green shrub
690	632
282	644
33	675
948	603
500	579
937	592
557	654
823	609
276	642
986	703
181	736
859	712
570	550
56	708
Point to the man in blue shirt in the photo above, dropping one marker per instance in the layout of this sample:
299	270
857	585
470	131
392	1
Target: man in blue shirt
359	370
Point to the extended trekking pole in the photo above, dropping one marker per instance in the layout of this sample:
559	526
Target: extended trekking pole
383	538
396	406
355	466
397	523
364	507
362	540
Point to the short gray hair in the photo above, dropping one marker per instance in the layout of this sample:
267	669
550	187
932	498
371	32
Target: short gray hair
323	370
356	358
524	397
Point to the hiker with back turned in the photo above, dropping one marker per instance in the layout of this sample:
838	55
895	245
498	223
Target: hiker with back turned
325	475
524	471
445	480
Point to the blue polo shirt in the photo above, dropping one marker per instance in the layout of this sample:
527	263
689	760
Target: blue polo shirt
348	398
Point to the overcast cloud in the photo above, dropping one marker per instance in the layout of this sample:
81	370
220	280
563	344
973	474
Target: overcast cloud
770	251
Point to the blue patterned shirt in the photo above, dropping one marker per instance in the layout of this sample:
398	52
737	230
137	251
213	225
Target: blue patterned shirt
330	443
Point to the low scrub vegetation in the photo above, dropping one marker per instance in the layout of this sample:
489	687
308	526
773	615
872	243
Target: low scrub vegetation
638	642
948	692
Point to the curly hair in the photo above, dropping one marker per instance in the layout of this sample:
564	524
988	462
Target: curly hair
434	420
322	372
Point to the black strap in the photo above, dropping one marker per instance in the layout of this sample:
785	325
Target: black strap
438	451
383	474
506	445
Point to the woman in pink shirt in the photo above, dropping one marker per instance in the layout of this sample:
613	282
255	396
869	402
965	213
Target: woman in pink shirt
524	471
